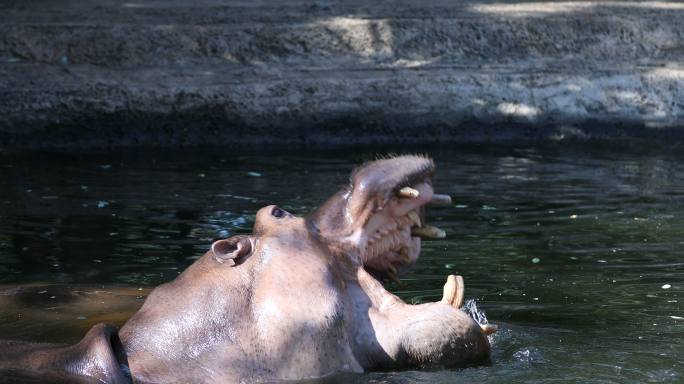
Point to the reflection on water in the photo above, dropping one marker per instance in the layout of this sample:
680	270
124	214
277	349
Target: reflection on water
575	254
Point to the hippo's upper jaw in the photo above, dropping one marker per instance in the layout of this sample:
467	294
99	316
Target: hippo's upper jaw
379	218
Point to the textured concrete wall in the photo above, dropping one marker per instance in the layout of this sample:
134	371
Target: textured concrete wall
173	72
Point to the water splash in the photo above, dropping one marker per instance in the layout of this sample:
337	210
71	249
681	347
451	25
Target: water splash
470	307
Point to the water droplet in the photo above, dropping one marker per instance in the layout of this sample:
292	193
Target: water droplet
666	286
102	204
536	260
573	216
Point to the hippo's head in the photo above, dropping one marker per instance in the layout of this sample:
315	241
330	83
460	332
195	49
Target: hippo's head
295	298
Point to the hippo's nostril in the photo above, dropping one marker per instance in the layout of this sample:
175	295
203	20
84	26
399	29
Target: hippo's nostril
279	213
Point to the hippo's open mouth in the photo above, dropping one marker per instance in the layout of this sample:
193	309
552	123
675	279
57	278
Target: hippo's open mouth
380	216
392	237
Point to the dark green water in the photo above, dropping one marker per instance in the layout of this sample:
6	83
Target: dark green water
577	254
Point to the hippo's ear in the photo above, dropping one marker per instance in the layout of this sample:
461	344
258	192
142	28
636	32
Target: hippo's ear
228	250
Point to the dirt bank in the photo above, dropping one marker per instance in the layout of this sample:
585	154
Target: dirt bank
108	73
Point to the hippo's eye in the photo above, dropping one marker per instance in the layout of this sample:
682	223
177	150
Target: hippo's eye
279	213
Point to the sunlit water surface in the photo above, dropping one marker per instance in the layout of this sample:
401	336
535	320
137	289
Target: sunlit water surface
577	254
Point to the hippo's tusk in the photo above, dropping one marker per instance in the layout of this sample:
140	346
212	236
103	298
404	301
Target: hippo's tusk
404	255
488	329
392	269
429	232
415	218
408	193
453	291
460	291
438	199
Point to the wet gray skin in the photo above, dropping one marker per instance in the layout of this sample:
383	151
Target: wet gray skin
297	298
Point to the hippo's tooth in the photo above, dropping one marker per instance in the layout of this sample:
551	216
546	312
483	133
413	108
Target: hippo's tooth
460	291
415	218
394	241
429	232
453	291
393	277
408	193
438	199
488	329
404	255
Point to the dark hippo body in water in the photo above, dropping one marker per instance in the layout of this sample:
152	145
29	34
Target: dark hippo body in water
298	298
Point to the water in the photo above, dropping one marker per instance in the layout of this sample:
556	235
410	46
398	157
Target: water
575	253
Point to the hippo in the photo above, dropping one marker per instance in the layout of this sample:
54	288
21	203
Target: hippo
298	298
